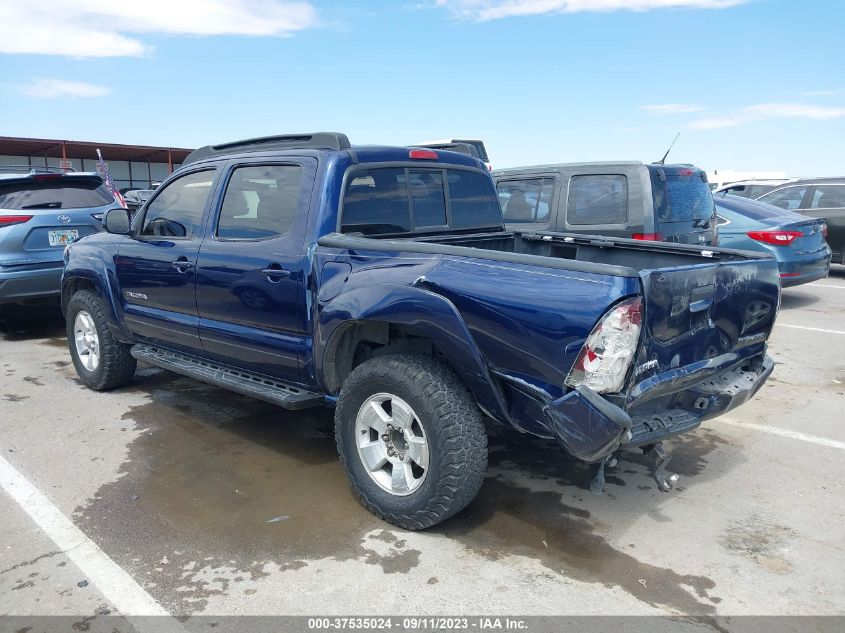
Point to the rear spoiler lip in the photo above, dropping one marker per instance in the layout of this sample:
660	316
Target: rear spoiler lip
76	175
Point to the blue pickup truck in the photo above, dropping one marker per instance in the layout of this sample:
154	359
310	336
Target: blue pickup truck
380	280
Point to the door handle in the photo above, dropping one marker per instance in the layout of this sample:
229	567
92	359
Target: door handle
275	273
182	265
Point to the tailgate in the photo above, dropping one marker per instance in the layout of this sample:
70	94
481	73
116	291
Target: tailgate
702	319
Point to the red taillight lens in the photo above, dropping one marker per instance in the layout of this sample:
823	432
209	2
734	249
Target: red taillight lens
46	176
609	350
648	237
423	154
824	230
9	220
775	238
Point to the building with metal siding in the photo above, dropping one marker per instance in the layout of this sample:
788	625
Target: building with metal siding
131	166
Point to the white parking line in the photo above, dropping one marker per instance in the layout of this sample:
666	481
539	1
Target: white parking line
793	435
119	588
811	329
826	286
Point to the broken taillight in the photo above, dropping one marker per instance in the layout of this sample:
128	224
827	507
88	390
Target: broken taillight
609	350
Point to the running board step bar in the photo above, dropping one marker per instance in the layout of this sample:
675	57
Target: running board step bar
246	383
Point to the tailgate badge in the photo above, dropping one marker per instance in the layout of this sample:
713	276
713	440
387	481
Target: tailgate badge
645	367
64	219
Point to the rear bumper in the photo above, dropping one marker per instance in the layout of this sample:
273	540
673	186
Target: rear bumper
793	273
590	428
22	286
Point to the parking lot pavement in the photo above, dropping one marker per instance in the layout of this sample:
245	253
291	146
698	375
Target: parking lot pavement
208	502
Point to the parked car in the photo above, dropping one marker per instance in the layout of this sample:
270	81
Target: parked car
41	212
385	284
750	188
135	198
472	142
655	202
817	198
795	241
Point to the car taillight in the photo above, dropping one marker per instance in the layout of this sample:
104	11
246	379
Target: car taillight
649	237
9	220
607	354
775	238
824	230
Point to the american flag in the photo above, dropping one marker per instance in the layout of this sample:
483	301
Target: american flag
104	172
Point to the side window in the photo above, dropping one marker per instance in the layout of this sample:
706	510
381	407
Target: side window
786	198
177	210
828	197
526	200
598	199
260	202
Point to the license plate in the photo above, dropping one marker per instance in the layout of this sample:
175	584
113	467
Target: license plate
62	238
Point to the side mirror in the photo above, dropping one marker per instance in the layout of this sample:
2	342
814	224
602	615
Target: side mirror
117	221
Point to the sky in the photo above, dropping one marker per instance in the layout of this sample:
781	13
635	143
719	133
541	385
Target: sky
750	85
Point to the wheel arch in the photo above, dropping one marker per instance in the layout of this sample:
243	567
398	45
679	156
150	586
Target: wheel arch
367	322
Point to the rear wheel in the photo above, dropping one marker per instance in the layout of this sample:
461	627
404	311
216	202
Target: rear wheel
101	361
411	439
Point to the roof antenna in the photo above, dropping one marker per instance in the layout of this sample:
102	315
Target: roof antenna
662	161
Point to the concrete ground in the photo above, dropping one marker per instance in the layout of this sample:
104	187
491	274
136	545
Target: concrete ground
172	496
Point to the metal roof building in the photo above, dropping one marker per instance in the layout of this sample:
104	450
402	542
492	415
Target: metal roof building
131	166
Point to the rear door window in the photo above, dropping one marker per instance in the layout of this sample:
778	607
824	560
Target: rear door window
828	197
260	202
390	200
787	198
597	199
58	194
527	200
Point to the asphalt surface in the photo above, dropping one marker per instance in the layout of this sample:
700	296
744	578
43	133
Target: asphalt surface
205	502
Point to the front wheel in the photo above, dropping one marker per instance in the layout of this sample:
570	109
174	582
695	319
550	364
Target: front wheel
101	361
411	439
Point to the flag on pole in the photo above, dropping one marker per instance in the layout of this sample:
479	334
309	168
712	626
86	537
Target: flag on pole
104	172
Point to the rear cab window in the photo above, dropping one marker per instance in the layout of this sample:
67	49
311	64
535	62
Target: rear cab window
60	193
397	200
680	195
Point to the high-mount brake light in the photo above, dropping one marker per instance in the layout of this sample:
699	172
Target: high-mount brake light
423	154
775	238
685	172
608	352
46	176
9	220
648	237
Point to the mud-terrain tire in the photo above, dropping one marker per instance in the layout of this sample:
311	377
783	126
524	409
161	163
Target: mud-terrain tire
114	366
444	417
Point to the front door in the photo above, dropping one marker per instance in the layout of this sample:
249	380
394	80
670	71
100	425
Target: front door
250	287
156	265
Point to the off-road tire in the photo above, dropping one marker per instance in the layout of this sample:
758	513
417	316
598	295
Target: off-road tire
117	365
453	426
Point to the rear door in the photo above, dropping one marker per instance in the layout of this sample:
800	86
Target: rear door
828	202
156	265
251	268
40	214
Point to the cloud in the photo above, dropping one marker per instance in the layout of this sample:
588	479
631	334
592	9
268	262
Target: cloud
100	28
672	108
54	88
764	111
484	10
